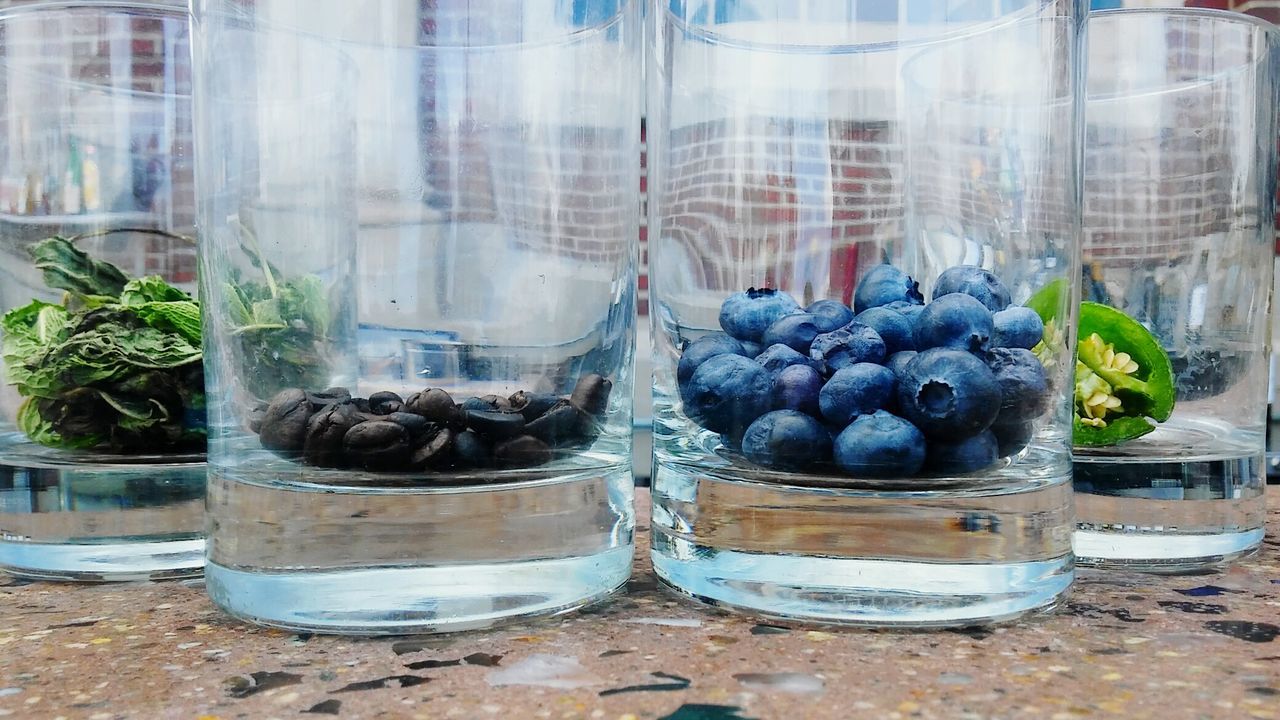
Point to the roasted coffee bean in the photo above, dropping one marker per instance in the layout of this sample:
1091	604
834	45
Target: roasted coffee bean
522	451
497	402
533	405
377	445
435	405
284	424
470	450
434	451
414	423
362	404
385	403
591	394
325	432
564	424
329	396
495	424
488	403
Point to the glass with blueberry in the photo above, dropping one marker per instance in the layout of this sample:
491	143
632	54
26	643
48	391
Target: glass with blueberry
421	275
1171	370
859	416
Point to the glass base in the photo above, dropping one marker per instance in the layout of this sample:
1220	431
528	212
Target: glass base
109	562
863	557
362	558
395	601
99	518
1163	553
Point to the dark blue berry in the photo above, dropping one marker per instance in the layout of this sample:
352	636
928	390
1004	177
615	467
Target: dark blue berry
880	445
746	315
1012	438
897	362
1024	388
704	348
885	284
948	394
727	393
962	456
954	321
796	388
854	343
830	314
892	326
796	331
786	440
858	389
975	282
778	357
752	349
1017	327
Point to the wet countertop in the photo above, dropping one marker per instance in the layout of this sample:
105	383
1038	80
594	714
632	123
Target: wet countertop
1124	645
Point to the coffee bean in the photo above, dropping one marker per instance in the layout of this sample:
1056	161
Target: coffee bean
488	403
495	423
522	451
385	403
564	424
284	425
471	450
362	404
377	445
434	452
329	396
435	405
255	417
417	425
532	405
591	394
325	432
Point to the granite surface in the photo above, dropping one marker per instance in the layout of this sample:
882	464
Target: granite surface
1123	645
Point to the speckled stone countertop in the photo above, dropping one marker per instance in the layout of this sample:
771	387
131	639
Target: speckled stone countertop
1128	646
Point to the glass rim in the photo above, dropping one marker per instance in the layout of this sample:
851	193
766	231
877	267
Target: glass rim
943	36
1232	17
625	7
157	10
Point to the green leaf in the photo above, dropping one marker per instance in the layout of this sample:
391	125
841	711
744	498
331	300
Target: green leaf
151	289
304	299
181	317
67	267
267	312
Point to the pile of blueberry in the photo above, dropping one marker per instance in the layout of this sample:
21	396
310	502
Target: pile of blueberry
428	431
893	387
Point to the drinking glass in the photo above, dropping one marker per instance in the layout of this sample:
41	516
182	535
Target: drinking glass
1178	222
102	405
422	228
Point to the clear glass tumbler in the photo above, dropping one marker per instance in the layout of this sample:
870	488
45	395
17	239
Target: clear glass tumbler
873	459
102	407
421	231
1179	201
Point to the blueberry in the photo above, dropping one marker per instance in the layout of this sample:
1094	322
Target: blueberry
909	310
796	388
1012	438
778	357
880	445
746	315
786	440
1017	327
727	393
830	314
858	389
897	362
796	331
948	394
962	456
854	343
532	405
885	284
892	327
1024	388
975	282
954	321
705	347
751	349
